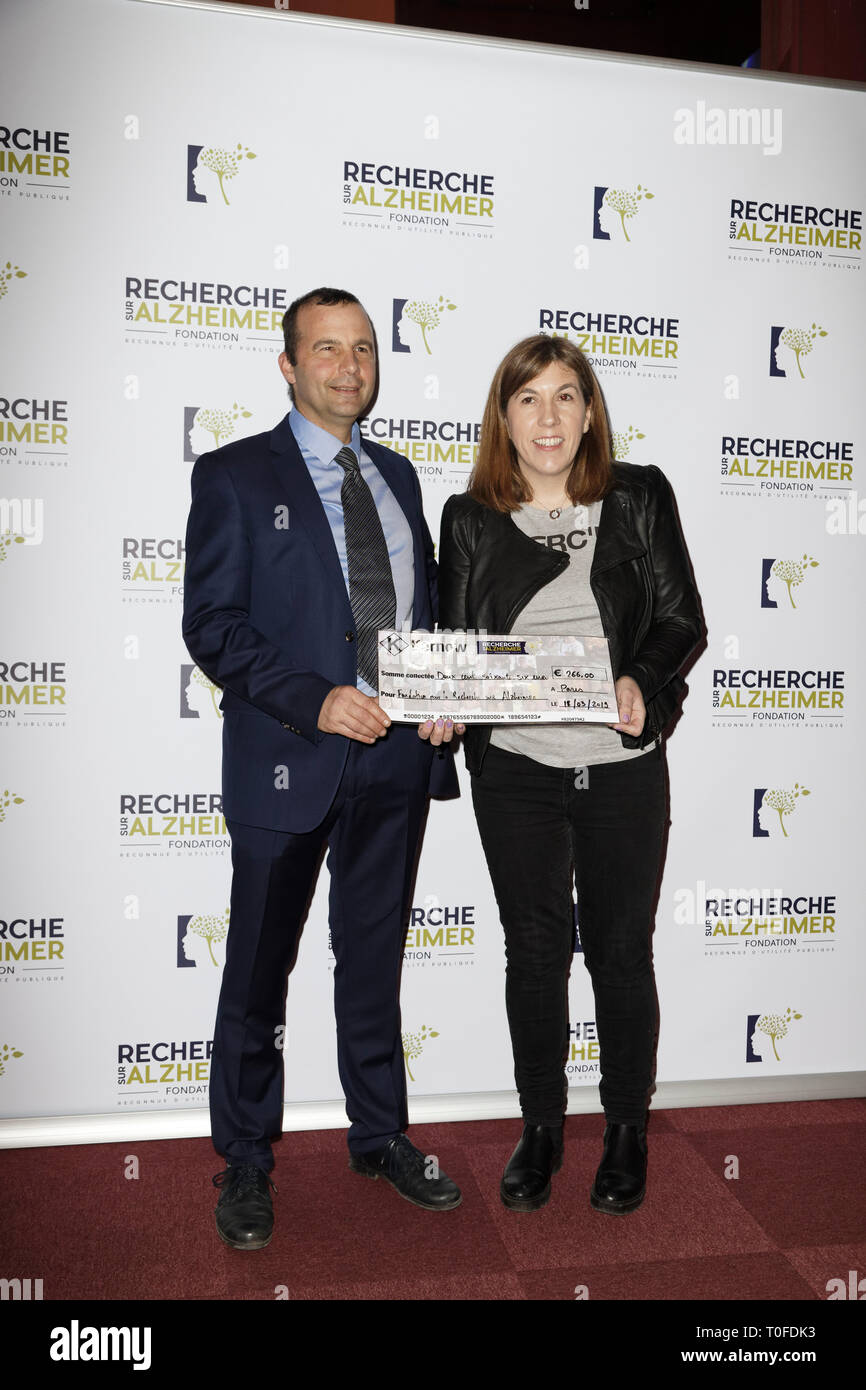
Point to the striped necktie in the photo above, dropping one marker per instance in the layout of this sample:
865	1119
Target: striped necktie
371	585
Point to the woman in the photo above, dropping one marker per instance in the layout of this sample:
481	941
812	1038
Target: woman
554	537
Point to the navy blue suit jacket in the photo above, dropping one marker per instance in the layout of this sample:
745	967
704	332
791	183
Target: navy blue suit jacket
267	617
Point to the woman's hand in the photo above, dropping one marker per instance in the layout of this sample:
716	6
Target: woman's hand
441	732
630	707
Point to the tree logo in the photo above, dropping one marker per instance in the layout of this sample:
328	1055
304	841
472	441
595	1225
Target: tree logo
7	1052
779	579
199	697
8	798
789	346
771	803
413	319
613	208
197	936
621	441
8	539
763	1031
209	169
207	427
413	1045
8	273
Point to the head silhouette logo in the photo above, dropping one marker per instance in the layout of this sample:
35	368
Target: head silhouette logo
413	1045
764	1031
8	798
6	1053
621	441
789	346
613	208
199	697
770	807
209	169
413	319
208	427
9	273
197	936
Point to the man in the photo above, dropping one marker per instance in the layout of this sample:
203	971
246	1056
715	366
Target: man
301	543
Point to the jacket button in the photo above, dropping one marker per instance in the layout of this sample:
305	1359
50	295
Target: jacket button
350	636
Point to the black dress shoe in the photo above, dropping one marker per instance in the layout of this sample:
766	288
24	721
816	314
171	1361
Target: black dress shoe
244	1212
407	1169
620	1182
525	1183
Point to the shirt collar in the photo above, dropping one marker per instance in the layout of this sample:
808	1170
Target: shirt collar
323	446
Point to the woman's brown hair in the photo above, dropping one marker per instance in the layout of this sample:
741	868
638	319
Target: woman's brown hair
496	479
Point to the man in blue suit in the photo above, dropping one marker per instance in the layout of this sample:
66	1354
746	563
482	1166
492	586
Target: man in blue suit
301	542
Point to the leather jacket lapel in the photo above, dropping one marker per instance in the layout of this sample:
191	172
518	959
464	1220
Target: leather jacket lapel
617	537
522	568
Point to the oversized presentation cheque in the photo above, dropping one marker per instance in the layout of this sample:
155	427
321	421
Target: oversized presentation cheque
485	678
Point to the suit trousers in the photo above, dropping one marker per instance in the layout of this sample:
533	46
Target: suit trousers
543	833
371	830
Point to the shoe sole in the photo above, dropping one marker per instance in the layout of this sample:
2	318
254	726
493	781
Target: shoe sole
247	1245
366	1173
616	1208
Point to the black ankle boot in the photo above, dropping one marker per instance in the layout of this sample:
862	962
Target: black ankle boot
526	1181
620	1182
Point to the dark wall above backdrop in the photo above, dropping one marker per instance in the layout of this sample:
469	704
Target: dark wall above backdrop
657	28
816	38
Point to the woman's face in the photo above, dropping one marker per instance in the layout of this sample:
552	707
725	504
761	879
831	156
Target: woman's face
546	421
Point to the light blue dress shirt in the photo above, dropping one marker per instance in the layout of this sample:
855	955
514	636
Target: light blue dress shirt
319	450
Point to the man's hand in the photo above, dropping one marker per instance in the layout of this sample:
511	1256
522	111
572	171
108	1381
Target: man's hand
630	707
441	732
347	711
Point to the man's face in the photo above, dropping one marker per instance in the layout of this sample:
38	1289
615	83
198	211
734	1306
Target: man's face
335	373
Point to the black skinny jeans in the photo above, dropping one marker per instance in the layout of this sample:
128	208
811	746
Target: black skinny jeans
540	835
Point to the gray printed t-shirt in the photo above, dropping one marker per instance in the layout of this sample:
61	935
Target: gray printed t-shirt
564	605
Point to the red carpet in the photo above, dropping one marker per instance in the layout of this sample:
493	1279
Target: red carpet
793	1220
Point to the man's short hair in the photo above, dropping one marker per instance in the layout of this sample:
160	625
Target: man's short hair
324	295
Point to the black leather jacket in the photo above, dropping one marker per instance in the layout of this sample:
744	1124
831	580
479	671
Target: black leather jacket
640	576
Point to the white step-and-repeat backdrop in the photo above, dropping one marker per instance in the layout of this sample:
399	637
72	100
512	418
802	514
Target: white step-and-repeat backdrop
171	177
